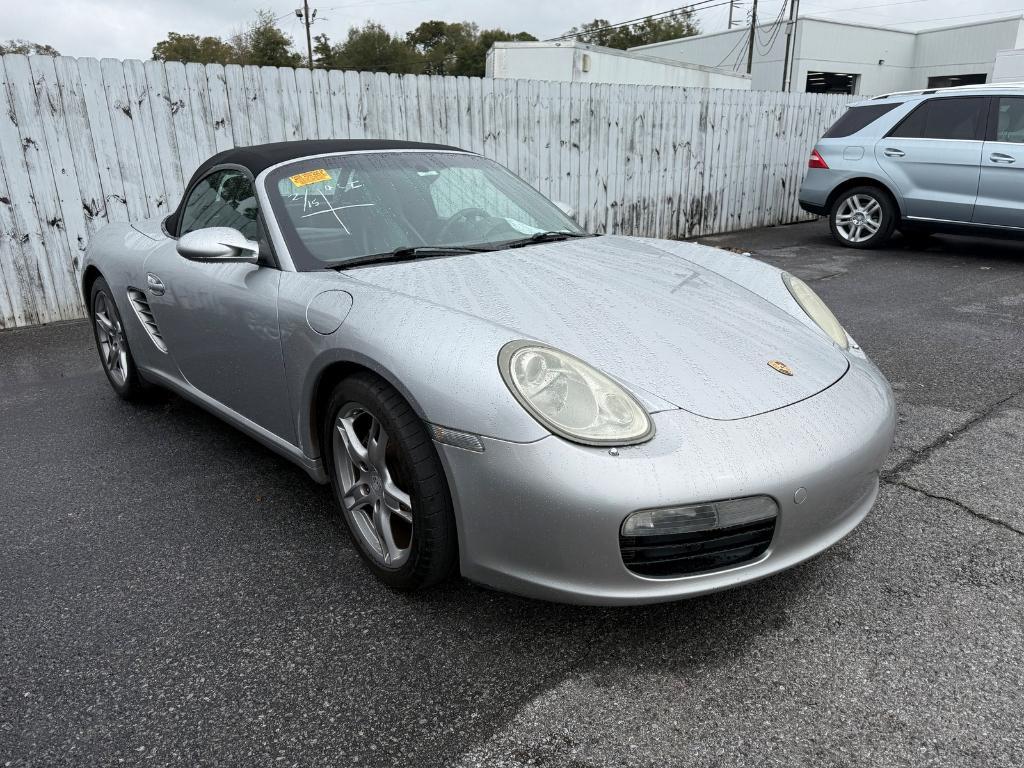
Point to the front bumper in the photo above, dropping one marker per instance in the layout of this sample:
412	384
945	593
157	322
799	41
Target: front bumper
542	519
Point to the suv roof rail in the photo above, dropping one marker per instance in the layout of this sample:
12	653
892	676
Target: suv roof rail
979	86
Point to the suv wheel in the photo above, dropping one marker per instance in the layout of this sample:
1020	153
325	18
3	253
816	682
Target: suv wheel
862	217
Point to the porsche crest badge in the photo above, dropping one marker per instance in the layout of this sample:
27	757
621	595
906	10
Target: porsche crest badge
781	367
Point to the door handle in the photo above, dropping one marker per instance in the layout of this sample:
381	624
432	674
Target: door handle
155	284
893	152
999	157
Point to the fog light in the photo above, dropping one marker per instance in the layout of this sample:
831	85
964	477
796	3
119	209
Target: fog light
699	517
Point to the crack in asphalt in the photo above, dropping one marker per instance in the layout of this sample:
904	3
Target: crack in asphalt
918	456
822	278
891	476
958	504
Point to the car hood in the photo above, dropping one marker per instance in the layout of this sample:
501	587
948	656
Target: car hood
640	313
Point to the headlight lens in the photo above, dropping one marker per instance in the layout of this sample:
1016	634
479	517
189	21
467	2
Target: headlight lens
571	398
816	309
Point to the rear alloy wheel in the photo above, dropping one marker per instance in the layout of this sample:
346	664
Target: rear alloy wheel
389	483
863	217
112	342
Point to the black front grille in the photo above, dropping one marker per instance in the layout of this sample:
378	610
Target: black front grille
683	554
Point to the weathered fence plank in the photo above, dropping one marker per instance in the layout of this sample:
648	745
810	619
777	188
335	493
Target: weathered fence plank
84	142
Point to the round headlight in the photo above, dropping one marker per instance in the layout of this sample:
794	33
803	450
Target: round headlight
816	309
570	398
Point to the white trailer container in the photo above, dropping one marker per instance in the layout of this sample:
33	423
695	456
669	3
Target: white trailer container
574	62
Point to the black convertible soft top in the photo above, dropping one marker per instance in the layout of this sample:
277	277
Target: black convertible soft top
259	157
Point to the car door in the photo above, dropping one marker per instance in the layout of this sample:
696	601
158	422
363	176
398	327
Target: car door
219	320
1001	189
933	156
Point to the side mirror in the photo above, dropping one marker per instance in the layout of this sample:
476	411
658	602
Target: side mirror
218	244
565	208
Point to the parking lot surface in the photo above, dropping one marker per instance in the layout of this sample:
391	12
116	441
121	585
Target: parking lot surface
173	594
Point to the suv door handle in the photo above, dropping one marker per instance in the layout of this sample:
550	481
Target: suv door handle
155	284
893	152
999	157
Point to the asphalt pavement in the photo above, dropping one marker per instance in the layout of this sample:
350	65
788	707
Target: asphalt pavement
173	594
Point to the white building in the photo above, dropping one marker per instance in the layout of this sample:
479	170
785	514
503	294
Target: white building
569	61
840	57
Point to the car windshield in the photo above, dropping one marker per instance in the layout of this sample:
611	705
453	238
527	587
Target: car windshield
342	208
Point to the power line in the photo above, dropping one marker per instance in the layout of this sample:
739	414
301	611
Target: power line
773	33
738	61
660	14
741	40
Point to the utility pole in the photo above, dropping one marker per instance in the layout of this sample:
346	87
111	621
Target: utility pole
787	72
753	32
732	4
307	21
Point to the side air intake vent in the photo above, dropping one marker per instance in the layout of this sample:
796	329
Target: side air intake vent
140	304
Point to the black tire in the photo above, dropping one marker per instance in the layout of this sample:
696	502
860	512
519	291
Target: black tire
889	216
414	466
124	375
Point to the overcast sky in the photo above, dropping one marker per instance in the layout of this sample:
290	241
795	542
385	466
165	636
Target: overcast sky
129	28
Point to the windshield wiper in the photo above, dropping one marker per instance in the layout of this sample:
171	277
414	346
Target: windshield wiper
409	253
543	237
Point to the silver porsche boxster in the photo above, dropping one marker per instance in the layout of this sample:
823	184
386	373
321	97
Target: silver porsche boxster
489	389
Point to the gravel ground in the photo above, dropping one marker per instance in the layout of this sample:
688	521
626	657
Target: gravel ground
173	594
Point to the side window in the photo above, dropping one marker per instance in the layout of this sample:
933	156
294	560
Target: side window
858	118
949	118
222	199
1010	119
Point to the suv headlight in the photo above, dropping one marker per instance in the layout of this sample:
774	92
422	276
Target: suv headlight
816	309
570	398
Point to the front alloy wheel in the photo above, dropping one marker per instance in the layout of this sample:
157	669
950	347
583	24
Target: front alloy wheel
378	511
112	342
110	339
863	217
389	483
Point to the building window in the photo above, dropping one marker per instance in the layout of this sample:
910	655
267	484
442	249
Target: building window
831	82
948	81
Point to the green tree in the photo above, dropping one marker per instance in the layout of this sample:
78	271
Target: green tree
204	50
264	44
261	43
323	52
369	48
28	48
441	42
650	30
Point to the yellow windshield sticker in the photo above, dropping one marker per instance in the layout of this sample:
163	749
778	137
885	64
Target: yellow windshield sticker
309	177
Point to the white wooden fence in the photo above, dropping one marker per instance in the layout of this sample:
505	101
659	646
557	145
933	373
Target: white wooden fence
84	142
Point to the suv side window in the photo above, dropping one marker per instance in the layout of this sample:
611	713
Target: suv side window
1009	119
222	199
858	118
946	118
